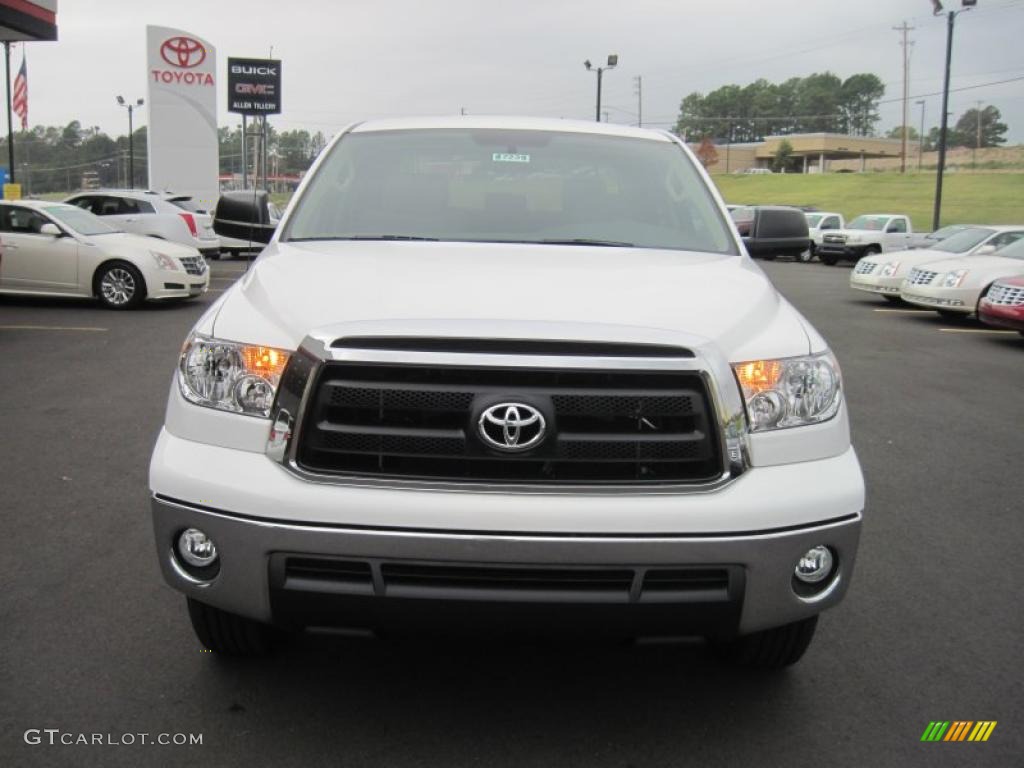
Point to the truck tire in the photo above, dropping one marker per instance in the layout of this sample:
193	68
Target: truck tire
805	257
871	250
774	648
829	259
228	634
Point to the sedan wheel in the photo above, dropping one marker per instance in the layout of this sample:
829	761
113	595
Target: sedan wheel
120	286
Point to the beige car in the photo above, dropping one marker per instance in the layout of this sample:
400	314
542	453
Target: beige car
954	287
883	273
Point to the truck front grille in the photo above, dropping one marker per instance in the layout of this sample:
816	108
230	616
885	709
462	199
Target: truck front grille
834	239
422	423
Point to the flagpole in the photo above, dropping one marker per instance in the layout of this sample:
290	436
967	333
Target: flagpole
10	124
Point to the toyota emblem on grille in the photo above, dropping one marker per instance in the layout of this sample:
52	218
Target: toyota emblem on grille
512	426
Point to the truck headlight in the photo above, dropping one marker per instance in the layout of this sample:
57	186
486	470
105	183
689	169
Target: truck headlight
888	270
165	262
790	392
953	279
228	376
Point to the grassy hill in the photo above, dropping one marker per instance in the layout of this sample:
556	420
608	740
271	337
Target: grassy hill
976	198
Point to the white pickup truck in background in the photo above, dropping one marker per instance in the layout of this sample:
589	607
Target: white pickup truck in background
867	235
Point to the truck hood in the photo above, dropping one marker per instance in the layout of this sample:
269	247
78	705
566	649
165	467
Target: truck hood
334	289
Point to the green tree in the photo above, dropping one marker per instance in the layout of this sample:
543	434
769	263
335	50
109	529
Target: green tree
897	133
858	102
783	157
992	134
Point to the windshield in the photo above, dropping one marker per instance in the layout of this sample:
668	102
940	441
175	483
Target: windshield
963	241
491	185
872	223
1014	250
813	219
81	221
944	232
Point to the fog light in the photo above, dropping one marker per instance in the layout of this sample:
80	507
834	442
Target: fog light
196	548
815	565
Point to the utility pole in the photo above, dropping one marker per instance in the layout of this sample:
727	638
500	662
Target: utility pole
613	61
950	22
905	44
920	137
639	80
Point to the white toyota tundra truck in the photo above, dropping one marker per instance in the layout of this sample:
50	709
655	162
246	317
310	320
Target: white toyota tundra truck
501	374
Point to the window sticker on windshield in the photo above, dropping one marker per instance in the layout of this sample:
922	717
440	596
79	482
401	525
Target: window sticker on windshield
508	157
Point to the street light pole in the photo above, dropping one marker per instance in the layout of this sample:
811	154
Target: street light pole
950	20
613	61
131	138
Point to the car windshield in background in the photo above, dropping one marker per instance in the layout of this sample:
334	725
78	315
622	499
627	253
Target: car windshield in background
964	240
492	185
81	221
813	219
944	232
1014	250
871	223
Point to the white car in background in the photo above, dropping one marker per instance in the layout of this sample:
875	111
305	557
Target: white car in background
954	287
819	222
883	274
164	215
54	249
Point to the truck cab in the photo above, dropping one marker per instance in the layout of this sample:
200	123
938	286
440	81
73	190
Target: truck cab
866	235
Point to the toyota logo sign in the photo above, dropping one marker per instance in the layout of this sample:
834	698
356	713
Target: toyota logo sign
183	52
512	427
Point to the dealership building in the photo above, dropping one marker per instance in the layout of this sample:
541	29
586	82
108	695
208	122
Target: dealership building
812	152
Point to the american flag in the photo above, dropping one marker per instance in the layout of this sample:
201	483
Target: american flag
21	94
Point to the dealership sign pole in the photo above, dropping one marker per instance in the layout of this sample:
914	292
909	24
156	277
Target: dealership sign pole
182	146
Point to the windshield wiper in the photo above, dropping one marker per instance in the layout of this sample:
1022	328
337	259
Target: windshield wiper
586	241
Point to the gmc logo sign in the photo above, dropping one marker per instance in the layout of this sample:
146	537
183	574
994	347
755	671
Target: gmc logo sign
254	89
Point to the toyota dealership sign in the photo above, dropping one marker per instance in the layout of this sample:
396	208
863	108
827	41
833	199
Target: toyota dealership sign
182	76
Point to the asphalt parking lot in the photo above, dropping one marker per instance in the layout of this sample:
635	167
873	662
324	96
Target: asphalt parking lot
93	642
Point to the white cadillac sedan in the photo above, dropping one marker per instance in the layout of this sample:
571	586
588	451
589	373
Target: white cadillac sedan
54	249
884	273
954	287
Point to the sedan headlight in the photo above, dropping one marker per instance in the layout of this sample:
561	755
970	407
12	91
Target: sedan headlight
954	278
228	376
888	270
791	392
165	262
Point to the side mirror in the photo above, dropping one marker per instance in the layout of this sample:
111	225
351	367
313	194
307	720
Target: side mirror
51	229
244	215
985	250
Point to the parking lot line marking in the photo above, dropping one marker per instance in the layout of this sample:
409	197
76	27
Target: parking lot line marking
975	330
52	328
904	311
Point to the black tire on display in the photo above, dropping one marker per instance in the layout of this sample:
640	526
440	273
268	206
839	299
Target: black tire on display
230	634
119	285
774	648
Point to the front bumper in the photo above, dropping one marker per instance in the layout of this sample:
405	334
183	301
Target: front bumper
1001	315
962	300
876	284
760	593
841	251
177	285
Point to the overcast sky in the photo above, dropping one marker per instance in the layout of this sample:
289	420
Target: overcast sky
346	60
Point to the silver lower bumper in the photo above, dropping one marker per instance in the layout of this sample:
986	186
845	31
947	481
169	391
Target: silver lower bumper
246	546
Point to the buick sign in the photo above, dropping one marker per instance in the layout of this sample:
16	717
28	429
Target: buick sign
254	86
